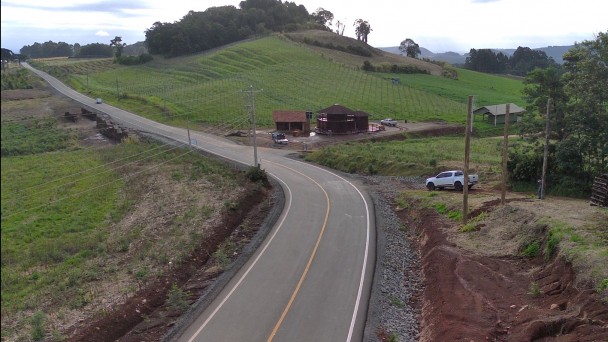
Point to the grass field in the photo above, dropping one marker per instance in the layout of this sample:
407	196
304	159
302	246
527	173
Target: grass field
48	231
66	248
413	157
212	87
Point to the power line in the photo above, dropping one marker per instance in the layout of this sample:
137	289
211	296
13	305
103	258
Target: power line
95	168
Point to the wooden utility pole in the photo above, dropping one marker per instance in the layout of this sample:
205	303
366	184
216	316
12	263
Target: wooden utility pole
546	152
467	151
188	128
505	156
250	106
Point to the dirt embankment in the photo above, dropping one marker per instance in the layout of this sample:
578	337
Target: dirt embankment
495	296
151	312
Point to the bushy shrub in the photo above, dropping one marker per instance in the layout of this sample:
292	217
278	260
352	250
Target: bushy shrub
134	60
256	174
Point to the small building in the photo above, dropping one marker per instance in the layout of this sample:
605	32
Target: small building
338	119
496	113
290	121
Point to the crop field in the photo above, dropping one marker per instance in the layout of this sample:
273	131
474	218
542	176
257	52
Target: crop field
214	87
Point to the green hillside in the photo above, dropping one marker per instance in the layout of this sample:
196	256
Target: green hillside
211	88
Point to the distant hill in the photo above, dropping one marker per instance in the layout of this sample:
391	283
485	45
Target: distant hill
455	58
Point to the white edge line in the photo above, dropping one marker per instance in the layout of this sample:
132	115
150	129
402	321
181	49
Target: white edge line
364	267
250	266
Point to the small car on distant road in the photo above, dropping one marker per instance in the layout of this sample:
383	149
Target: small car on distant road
389	122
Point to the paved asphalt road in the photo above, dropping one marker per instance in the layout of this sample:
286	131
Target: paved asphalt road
310	279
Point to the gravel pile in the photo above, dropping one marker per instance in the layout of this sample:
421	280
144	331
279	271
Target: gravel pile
393	313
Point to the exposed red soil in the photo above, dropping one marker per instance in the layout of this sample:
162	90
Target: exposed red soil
479	298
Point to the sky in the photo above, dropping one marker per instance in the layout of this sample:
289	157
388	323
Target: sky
438	25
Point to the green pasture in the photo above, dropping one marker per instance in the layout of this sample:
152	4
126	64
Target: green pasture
212	88
487	89
52	222
412	157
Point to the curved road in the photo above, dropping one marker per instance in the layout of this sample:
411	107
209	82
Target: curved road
310	279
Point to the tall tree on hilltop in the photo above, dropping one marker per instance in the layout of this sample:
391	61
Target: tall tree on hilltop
340	27
362	29
118	45
410	48
323	16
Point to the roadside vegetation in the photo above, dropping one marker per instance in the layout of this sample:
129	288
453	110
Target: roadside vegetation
420	157
84	227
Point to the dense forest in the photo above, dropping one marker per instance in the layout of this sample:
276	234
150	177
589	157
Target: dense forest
217	26
577	118
201	31
520	63
51	49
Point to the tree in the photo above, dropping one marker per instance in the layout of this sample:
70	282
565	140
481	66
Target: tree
323	16
409	48
586	85
485	60
95	50
362	29
539	86
579	117
525	60
118	46
340	27
7	55
48	49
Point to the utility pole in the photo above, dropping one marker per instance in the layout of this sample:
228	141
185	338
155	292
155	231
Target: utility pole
165	97
250	107
467	152
505	149
188	128
546	151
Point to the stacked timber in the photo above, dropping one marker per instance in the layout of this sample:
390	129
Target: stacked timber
110	129
599	195
87	113
71	116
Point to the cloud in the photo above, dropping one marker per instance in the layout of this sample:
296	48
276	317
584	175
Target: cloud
102	33
115	7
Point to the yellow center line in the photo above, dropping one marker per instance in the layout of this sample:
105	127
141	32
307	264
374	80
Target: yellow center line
310	260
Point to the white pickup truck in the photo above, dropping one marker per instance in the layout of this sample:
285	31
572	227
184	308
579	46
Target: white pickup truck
450	179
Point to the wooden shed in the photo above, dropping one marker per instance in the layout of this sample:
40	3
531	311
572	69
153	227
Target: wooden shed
292	120
496	113
338	119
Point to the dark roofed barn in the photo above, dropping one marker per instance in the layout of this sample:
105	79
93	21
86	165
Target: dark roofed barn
338	119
